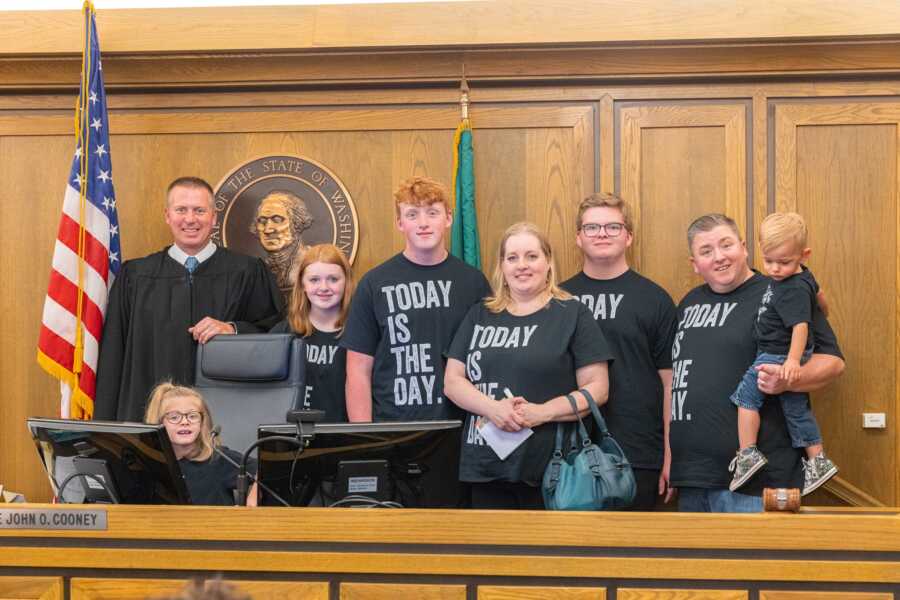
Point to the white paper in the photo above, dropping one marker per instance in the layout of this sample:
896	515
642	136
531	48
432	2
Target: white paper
502	442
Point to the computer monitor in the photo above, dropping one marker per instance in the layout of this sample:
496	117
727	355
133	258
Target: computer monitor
413	464
98	461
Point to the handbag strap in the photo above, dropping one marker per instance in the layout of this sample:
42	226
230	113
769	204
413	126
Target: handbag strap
557	449
585	438
595	410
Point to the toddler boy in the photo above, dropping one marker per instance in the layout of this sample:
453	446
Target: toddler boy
782	332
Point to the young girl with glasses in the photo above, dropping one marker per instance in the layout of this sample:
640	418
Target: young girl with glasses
210	477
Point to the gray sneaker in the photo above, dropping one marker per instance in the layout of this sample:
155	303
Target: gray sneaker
745	463
817	471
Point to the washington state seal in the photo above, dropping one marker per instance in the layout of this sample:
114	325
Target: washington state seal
275	207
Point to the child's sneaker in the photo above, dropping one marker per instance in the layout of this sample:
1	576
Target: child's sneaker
817	471
745	463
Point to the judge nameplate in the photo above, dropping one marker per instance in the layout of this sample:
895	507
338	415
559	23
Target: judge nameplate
275	207
53	518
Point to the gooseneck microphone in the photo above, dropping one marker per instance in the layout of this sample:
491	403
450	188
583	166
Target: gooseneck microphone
241	494
216	432
293	416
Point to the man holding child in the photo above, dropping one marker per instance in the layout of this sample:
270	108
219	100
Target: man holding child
714	345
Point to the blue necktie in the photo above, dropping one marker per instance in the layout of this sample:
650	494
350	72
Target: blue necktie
191	264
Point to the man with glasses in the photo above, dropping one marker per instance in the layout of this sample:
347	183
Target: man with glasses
638	320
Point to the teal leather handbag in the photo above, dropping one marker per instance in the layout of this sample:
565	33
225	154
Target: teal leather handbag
589	476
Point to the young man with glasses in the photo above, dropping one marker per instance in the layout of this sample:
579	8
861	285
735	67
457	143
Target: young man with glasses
638	320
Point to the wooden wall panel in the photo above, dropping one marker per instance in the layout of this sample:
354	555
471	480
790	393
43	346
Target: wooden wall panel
551	192
284	590
496	592
500	192
785	595
31	588
660	594
141	589
29	220
399	591
838	165
678	161
83	588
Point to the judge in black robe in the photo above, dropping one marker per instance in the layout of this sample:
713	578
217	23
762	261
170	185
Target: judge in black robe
151	306
157	311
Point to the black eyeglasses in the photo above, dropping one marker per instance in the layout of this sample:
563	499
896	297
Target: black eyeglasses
594	229
175	417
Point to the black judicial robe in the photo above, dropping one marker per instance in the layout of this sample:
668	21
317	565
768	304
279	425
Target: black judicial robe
151	305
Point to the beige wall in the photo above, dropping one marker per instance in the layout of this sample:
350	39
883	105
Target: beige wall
551	125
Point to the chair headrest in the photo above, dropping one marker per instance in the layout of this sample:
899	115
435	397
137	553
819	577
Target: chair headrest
247	357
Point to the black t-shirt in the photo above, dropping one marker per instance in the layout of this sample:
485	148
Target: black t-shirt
713	347
214	480
785	304
326	372
535	357
638	319
404	315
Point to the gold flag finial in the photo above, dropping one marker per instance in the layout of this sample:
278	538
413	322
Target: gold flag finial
464	95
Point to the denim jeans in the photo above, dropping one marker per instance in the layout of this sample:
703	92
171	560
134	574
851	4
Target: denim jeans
718	500
798	415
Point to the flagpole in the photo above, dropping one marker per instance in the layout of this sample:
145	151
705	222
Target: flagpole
84	134
464	242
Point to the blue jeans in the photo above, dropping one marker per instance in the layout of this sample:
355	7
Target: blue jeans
798	415
724	501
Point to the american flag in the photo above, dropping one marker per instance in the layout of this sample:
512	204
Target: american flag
87	255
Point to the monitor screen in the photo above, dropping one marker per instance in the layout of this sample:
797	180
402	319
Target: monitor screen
412	464
127	463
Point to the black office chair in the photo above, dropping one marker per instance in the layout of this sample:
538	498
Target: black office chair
250	380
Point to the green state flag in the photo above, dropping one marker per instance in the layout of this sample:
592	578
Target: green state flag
464	236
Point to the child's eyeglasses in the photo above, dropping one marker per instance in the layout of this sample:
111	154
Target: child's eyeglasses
175	417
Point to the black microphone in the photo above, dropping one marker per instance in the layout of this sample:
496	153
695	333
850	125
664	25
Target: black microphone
216	432
241	494
295	416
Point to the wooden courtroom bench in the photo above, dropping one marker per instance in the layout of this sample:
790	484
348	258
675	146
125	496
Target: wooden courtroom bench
364	554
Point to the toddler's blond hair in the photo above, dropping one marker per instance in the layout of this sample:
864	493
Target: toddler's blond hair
779	228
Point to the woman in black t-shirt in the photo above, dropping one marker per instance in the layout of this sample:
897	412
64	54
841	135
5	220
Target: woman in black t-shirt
209	471
320	301
511	364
